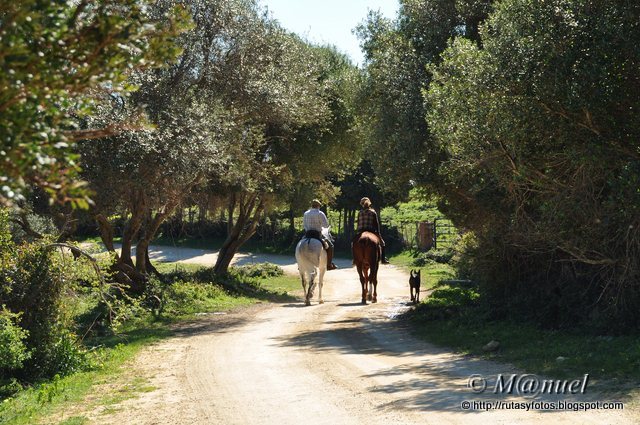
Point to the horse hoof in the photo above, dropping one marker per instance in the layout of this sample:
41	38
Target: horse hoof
307	302
374	300
321	302
364	301
369	297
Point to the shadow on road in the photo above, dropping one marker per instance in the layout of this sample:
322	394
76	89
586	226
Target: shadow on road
424	377
211	324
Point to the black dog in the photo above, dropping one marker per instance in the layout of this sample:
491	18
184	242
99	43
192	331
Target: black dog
414	283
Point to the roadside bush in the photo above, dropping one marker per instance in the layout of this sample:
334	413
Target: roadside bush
13	351
540	129
261	270
440	256
446	303
190	297
466	252
31	289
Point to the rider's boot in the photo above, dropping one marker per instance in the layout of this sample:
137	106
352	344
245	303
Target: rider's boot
385	260
330	265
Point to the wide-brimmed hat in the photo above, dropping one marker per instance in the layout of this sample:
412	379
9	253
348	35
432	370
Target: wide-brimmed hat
316	203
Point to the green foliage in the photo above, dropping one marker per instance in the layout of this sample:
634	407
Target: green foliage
416	209
260	270
189	297
31	290
13	351
611	361
58	58
185	291
440	255
248	116
540	129
448	302
9	388
397	53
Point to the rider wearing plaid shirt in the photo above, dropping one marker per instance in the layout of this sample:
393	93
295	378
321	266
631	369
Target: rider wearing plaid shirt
313	221
368	222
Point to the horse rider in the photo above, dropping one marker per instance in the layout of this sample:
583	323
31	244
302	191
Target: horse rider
314	220
368	221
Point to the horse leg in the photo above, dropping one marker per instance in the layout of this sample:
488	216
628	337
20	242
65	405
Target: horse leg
374	282
304	287
320	277
375	290
312	284
363	284
367	279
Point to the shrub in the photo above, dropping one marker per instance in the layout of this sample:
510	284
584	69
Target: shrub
446	303
13	351
190	297
540	130
441	256
261	270
31	289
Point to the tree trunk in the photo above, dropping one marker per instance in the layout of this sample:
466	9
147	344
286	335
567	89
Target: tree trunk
292	224
106	231
132	228
141	255
250	210
134	282
149	230
352	219
150	267
123	273
135	276
225	256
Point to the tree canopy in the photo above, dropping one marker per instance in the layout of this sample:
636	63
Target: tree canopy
58	59
249	113
540	130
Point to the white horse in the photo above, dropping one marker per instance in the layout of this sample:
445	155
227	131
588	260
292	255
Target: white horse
312	263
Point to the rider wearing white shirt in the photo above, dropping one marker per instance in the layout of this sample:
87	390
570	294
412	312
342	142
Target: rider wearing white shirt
313	221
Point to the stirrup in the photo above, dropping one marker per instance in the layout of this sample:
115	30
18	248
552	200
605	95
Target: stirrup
385	261
332	267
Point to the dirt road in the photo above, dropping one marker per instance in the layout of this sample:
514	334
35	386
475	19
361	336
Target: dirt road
336	363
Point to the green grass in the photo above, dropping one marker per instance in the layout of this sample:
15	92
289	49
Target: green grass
33	404
430	274
455	317
286	284
187	299
613	361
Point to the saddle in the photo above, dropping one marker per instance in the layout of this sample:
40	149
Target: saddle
314	234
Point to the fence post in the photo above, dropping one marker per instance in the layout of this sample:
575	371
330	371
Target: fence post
435	233
425	235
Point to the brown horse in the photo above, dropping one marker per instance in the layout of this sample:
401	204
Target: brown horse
366	255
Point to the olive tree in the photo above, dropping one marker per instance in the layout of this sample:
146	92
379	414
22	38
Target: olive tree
58	58
143	176
540	127
397	53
